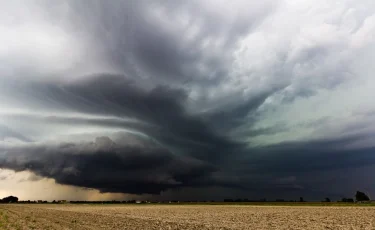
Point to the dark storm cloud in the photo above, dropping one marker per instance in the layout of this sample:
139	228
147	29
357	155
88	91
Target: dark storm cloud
160	111
237	113
188	142
108	166
193	79
313	169
159	114
145	167
310	156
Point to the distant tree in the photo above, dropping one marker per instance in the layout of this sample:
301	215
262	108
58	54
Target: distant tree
301	199
9	199
361	196
327	199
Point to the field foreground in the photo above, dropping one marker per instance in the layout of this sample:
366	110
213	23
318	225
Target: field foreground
20	216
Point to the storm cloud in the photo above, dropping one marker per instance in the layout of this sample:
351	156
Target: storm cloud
157	97
132	168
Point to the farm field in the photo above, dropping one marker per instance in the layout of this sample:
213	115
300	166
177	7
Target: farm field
70	216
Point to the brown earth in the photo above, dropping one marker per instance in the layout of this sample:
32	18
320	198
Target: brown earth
144	217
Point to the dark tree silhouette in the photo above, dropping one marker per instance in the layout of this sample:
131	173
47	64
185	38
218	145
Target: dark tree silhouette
327	199
301	199
9	199
361	196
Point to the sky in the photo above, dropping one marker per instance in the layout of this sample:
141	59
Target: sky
136	99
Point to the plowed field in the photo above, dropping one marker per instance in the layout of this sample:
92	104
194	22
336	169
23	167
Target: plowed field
144	217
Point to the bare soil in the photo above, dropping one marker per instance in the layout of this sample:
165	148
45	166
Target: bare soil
145	217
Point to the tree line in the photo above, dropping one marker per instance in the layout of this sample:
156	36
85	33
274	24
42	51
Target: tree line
359	197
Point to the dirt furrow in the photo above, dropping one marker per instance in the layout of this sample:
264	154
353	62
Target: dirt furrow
156	217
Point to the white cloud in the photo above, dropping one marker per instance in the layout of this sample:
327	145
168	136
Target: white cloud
315	60
39	42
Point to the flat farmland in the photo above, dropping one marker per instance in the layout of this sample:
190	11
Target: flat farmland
80	216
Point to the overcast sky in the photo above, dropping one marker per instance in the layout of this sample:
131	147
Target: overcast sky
187	99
